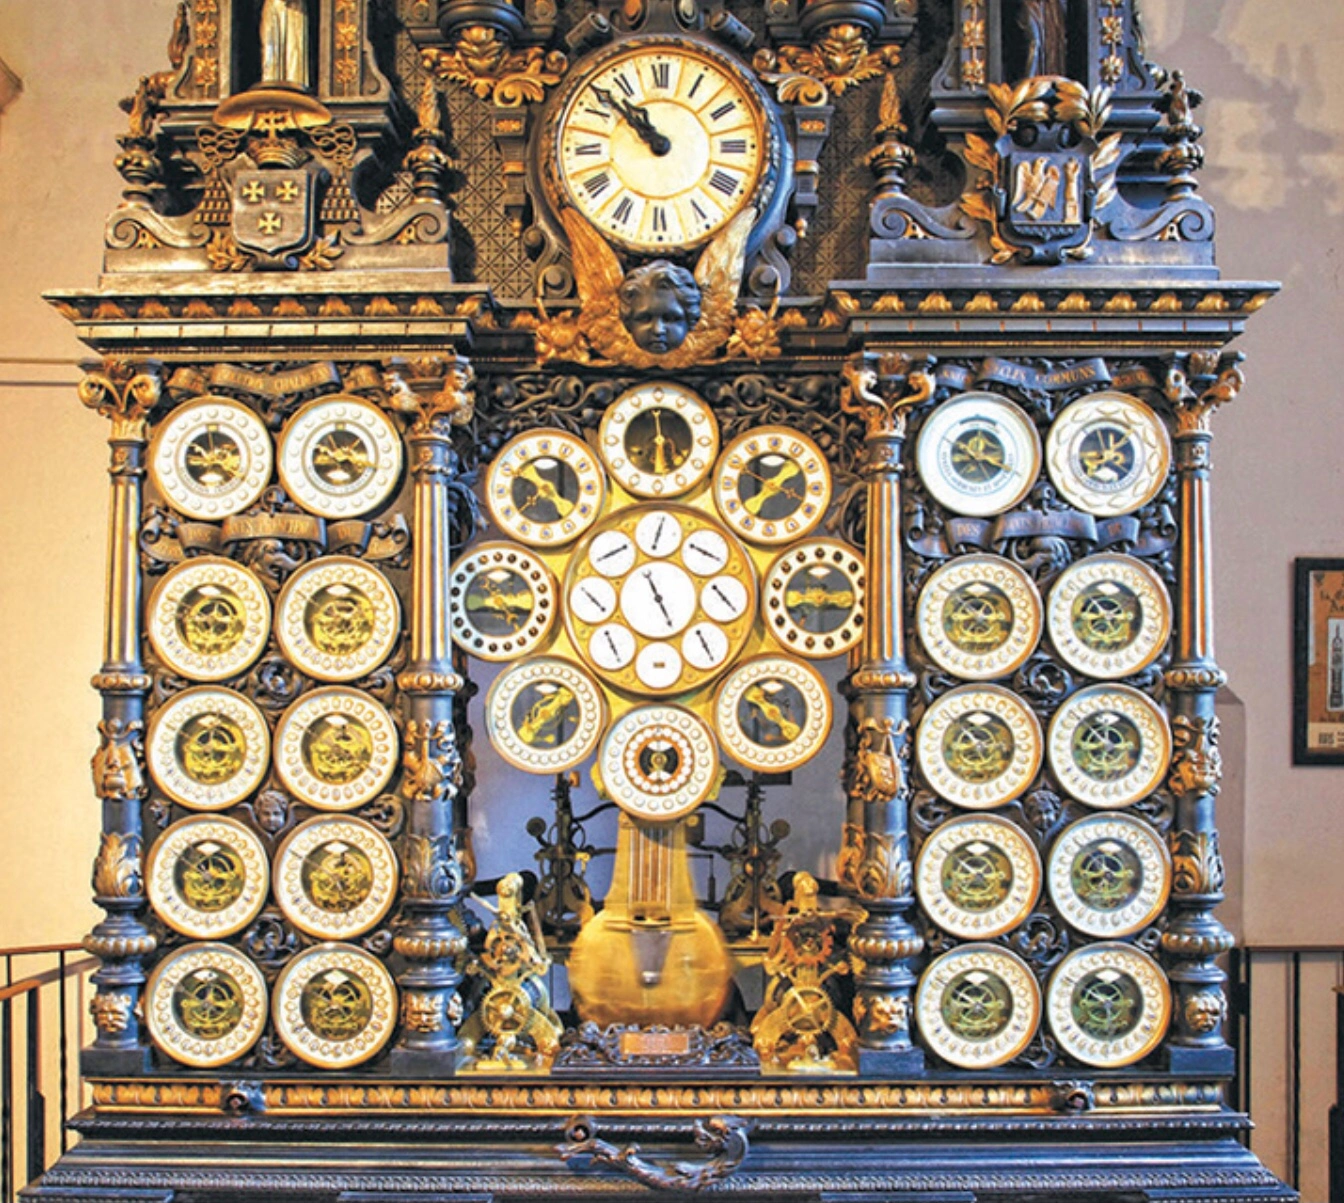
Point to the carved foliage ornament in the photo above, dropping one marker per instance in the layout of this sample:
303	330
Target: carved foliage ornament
1048	174
483	62
1197	767
118	764
838	60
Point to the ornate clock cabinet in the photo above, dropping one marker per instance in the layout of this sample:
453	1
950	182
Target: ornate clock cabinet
659	633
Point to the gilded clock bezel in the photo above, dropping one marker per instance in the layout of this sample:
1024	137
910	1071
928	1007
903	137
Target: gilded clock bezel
780	623
181	1045
803	747
773	149
1012	843
1154	987
816	475
246	428
1149	850
313	1048
175	909
738	566
668	719
1013	583
309	424
581	459
642	398
1022	988
1155	756
504	736
307	786
488	557
161	748
201	573
1019	479
300	909
1156	616
291	631
1028	746
1146	429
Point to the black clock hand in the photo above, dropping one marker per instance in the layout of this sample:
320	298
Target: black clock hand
637	116
658	597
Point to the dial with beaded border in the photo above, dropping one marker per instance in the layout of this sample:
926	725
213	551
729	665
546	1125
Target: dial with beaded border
340	457
208	747
772	713
979	746
209	619
772	485
337	619
501	601
1109	616
335	748
979	617
1109	746
1109	875
659	762
1108	1005
978	877
211	458
335	1006
335	877
545	715
978	1006
658	440
205	1005
545	488
812	598
207	877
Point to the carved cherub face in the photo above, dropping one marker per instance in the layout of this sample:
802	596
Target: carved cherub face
660	303
842	48
481	48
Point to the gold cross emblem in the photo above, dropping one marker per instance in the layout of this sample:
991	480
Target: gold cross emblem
287	191
269	223
254	192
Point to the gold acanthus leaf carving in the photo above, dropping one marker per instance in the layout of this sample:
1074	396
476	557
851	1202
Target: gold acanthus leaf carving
116	869
429	869
756	334
864	395
124	392
1197	863
1197	767
597	330
840	59
483	62
118	764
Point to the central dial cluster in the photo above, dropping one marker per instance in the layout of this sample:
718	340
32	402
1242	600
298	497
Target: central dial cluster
659	598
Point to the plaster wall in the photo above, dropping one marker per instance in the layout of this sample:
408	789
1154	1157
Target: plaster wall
1276	177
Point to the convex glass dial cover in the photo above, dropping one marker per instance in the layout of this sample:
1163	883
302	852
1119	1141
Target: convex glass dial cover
812	597
659	440
772	713
545	488
211	458
979	617
501	601
340	457
978	454
772	485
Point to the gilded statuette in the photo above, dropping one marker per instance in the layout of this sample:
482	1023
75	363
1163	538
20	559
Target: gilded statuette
772	713
336	748
501	601
1109	616
772	485
340	457
205	1005
1109	875
659	762
979	617
545	715
659	440
211	458
812	598
207	877
978	1006
1109	746
208	748
978	454
978	877
1108	454
337	619
209	619
335	1006
545	488
1108	1005
979	746
335	877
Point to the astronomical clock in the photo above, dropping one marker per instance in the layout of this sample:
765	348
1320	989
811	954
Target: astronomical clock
659	630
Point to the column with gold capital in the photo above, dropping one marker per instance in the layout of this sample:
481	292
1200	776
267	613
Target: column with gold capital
125	393
433	873
875	861
1196	385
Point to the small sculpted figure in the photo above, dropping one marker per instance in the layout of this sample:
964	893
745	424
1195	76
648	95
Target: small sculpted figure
1045	24
659	306
284	42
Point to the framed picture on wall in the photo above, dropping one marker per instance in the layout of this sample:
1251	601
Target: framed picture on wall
1318	662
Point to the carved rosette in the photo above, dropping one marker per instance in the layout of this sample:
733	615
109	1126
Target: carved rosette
1196	384
875	860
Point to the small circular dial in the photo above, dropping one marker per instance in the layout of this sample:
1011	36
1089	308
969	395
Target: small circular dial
1108	1005
208	748
340	457
335	877
1109	454
658	762
978	876
1109	875
501	601
211	458
209	618
812	597
661	144
1110	746
978	1006
772	485
773	713
205	1005
658	440
337	619
335	748
545	488
545	715
979	617
1110	616
979	746
642	608
978	454
207	876
335	1006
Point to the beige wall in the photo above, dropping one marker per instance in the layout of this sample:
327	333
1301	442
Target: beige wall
1276	176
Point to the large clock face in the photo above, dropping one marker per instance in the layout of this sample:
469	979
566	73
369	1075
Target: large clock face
661	145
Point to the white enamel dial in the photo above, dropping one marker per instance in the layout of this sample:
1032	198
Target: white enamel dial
658	600
658	533
658	665
705	553
662	145
612	646
612	553
705	645
593	600
725	599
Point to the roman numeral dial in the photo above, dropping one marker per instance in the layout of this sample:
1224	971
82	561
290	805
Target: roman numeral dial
661	145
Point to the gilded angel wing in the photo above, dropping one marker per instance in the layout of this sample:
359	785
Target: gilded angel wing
598	276
719	274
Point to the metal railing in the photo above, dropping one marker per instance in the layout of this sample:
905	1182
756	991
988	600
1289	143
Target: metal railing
51	998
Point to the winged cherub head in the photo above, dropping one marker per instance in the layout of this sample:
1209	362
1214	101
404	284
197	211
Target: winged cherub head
659	306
